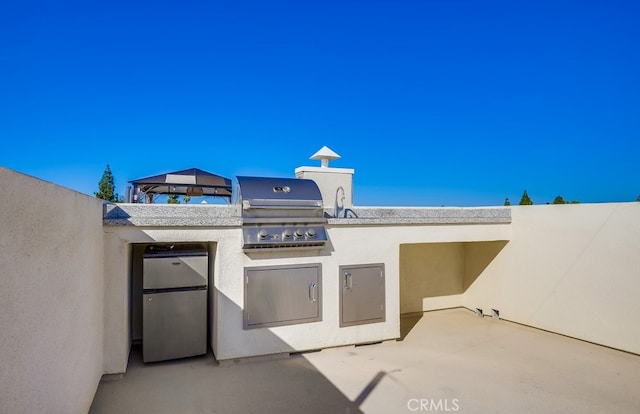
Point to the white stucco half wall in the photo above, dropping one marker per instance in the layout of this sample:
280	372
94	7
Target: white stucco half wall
571	269
51	296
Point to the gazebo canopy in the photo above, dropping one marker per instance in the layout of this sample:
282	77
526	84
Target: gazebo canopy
191	182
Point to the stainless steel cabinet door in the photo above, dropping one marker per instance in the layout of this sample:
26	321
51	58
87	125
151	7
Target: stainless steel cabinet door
362	298
282	295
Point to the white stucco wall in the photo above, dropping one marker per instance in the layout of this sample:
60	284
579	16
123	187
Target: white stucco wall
51	296
229	339
66	283
570	269
329	180
435	275
117	303
125	282
349	245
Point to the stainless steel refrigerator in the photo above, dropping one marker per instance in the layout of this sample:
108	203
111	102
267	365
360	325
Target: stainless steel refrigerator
174	306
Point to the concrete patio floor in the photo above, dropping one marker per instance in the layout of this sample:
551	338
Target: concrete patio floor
447	361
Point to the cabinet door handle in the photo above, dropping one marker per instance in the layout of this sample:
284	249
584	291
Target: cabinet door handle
348	280
313	292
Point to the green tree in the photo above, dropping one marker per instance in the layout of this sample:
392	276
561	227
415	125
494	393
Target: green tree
106	188
525	200
507	202
559	200
186	199
173	199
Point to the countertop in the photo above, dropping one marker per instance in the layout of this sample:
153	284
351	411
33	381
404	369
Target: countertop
212	215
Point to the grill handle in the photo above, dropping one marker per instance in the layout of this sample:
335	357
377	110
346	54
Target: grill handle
257	203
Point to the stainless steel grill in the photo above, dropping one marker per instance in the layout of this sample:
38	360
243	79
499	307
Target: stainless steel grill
281	213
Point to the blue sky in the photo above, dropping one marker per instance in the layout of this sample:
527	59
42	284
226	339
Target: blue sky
454	103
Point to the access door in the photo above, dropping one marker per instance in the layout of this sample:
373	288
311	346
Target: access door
362	294
282	295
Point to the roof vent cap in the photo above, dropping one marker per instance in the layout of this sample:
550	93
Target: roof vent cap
325	154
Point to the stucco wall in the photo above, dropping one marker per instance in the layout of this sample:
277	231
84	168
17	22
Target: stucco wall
329	180
435	275
117	303
346	247
51	296
65	283
570	269
349	245
429	270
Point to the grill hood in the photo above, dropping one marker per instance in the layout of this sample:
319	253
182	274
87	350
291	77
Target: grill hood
264	197
281	213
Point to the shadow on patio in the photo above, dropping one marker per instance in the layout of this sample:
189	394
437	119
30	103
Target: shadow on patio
451	360
202	385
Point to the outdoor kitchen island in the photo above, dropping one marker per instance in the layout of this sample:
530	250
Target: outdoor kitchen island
403	260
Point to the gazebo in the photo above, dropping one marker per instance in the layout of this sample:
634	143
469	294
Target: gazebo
190	182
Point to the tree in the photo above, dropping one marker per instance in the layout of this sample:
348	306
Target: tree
559	200
186	199
106	187
525	200
173	199
507	202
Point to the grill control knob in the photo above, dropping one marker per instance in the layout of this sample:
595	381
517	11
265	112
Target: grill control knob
286	234
262	234
298	234
311	233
